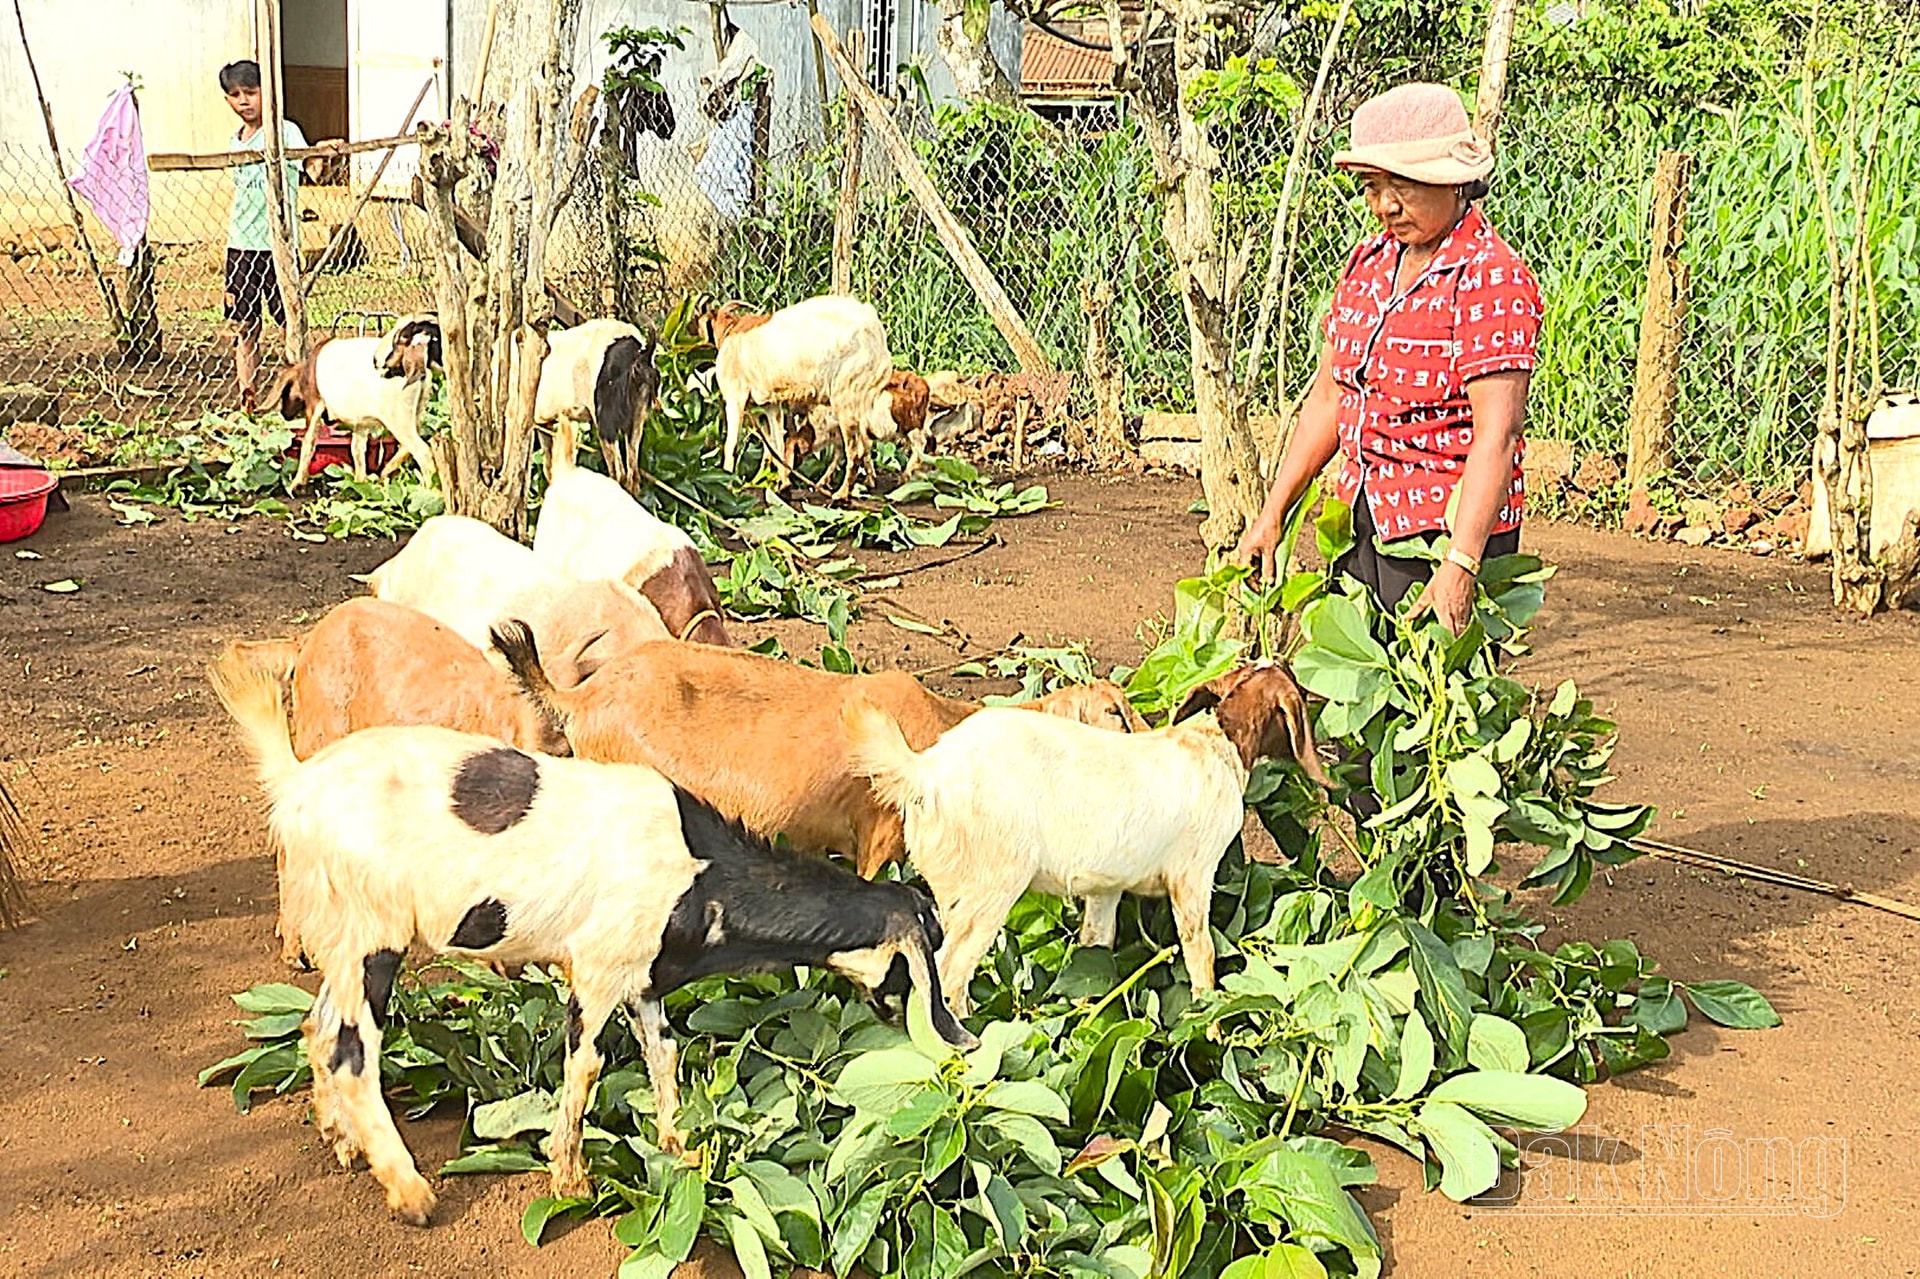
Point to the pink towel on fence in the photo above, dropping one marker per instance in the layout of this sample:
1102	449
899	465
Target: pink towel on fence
113	173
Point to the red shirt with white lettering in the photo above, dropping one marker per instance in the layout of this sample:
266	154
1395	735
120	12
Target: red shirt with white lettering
1403	364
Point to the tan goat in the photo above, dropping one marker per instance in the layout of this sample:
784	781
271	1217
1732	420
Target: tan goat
761	739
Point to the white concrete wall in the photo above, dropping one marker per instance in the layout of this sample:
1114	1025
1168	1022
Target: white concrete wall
175	47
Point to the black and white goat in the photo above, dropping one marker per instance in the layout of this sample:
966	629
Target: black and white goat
601	372
472	847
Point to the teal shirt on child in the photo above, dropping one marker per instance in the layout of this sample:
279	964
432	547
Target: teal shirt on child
247	228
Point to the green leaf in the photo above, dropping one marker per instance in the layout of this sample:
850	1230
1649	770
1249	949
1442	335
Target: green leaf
1494	1043
533	1222
494	1159
647	1263
918	1114
1563	699
1539	1103
511	1116
1316	1205
680	1221
884	1080
855	1227
1416	1058
910	624
274	997
1006	1211
1467	1149
1657	1006
1027	1097
748	1248
1030	1135
1282	1261
1731	1003
1473	775
945	1143
1442	987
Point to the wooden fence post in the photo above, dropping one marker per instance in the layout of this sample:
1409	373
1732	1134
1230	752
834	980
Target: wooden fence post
1656	371
280	214
1493	69
959	244
846	218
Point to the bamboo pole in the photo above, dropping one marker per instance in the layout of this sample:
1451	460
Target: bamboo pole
280	214
339	236
174	161
1656	382
959	245
107	294
1493	69
846	217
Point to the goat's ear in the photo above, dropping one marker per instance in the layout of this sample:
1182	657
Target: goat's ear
1210	694
416	357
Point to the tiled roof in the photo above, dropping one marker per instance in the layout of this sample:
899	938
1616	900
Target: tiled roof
1052	67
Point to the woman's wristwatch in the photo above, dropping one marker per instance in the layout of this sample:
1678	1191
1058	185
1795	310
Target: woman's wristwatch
1457	556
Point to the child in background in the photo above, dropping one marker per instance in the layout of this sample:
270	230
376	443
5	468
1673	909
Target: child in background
250	280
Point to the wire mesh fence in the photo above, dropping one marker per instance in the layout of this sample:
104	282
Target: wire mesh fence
744	206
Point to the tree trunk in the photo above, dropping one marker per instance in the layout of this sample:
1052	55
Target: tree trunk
1105	377
1229	462
1657	370
961	38
494	320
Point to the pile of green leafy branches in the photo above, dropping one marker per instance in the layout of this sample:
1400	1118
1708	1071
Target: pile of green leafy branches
1110	1123
250	474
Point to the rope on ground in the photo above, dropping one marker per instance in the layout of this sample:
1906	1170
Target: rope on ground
1766	874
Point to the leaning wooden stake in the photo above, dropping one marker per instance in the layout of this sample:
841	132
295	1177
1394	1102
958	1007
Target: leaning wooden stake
73	206
339	236
846	218
280	214
1656	379
959	244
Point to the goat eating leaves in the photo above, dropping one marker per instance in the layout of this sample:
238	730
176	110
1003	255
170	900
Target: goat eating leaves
607	871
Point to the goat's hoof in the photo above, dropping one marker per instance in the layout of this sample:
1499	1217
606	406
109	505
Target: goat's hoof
411	1200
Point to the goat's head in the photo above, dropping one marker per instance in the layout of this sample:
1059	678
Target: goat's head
716	323
1102	703
411	349
910	396
904	960
291	389
1263	713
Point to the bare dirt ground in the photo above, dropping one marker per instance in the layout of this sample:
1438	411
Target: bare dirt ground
1765	726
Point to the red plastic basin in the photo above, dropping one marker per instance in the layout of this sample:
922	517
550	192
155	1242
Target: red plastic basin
333	447
23	500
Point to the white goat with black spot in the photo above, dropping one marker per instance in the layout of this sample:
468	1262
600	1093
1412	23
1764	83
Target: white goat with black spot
608	871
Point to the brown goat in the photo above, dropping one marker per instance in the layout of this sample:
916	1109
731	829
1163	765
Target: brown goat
371	663
761	739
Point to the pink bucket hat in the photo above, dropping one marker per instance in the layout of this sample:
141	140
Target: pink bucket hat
1419	132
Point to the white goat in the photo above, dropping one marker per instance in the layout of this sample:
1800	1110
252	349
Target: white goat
829	350
1007	801
591	528
363	384
468	846
468	577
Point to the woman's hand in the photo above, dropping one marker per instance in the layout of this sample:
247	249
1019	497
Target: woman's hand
1259	549
1449	597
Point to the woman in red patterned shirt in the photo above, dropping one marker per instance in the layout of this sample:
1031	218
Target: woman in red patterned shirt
1422	383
